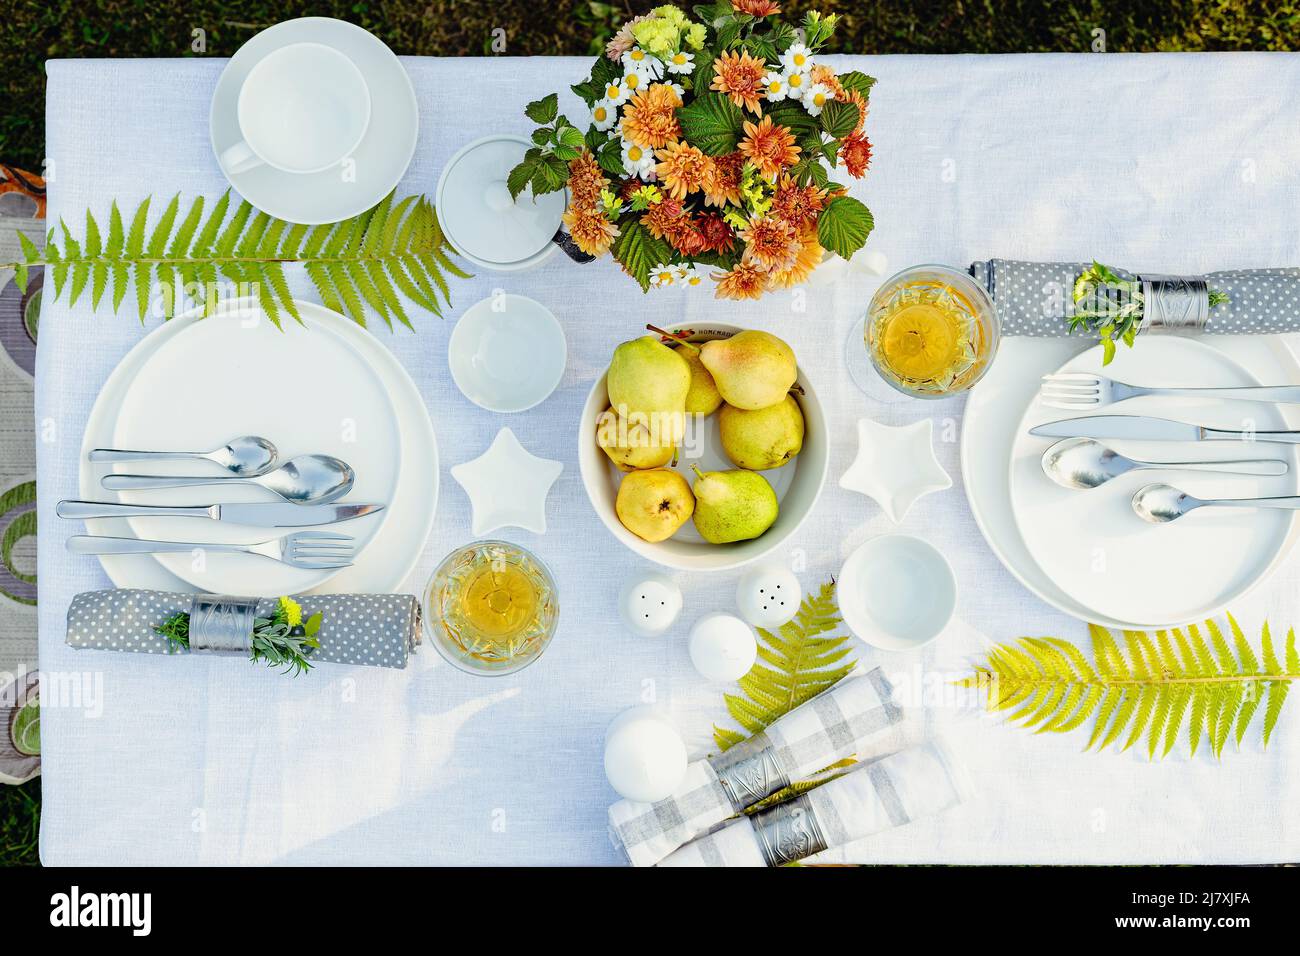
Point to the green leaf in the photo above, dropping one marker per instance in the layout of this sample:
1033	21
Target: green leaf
543	111
638	251
135	237
838	119
549	175
857	81
844	225
712	123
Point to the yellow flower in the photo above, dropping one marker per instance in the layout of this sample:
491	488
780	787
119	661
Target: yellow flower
809	258
292	611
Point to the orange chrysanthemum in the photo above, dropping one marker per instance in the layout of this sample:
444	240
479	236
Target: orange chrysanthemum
756	8
823	74
717	235
769	147
585	180
745	281
683	169
772	243
740	76
797	205
592	232
860	101
727	173
855	154
809	257
650	117
661	218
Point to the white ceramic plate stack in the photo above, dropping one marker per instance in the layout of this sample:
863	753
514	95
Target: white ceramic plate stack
326	387
1087	552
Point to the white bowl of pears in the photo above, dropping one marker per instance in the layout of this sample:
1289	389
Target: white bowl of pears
703	448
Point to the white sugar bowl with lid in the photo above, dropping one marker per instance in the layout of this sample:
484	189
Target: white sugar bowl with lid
481	220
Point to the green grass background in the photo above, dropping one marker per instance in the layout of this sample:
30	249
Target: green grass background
36	30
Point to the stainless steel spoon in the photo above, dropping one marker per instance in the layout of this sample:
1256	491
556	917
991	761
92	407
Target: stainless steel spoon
314	479
1087	463
245	456
1162	503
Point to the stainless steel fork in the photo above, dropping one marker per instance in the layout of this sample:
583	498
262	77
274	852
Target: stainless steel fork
1086	390
309	550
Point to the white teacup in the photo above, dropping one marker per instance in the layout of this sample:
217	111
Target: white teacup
302	109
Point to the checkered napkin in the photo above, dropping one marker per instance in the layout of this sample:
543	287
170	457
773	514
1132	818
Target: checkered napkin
380	630
874	796
857	716
1034	298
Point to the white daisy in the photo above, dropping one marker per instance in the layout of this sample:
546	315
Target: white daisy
676	88
797	59
603	115
637	160
688	275
818	95
616	94
663	275
637	60
775	87
796	84
634	82
681	62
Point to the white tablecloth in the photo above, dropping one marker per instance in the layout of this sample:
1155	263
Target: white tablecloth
1174	163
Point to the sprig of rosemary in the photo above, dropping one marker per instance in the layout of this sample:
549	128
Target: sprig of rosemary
282	640
1112	307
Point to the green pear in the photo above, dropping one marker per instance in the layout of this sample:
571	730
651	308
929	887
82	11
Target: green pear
654	504
762	439
631	444
648	378
703	397
752	369
732	505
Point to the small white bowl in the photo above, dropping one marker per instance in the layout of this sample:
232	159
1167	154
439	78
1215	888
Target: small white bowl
507	353
897	592
797	484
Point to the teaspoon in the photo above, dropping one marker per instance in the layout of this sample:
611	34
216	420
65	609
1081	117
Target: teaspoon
245	456
314	479
1162	503
1087	463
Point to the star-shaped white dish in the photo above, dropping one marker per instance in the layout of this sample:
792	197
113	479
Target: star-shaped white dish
507	486
895	466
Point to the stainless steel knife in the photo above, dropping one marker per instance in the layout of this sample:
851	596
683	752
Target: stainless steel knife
1146	428
270	514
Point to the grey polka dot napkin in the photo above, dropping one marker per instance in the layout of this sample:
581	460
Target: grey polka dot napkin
1035	298
380	630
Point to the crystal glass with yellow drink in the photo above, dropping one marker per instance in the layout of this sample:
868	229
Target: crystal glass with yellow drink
491	607
931	331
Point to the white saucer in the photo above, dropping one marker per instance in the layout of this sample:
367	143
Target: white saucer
380	160
507	353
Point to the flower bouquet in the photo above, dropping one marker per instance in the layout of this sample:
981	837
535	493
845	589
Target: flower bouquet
708	147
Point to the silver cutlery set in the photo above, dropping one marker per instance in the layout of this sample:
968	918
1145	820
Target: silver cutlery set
308	487
1082	461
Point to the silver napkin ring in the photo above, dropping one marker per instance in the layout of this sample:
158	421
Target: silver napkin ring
788	831
1174	304
749	772
222	624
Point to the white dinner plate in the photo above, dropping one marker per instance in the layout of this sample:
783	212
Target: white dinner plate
1101	553
377	163
402	528
992	419
305	388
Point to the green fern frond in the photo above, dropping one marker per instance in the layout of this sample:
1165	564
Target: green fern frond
1211	686
794	664
362	265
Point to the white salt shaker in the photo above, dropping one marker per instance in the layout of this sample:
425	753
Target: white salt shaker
723	647
645	758
768	596
650	604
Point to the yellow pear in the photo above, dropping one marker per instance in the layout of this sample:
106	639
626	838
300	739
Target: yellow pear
654	504
764	438
732	505
752	369
647	377
631	445
703	397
